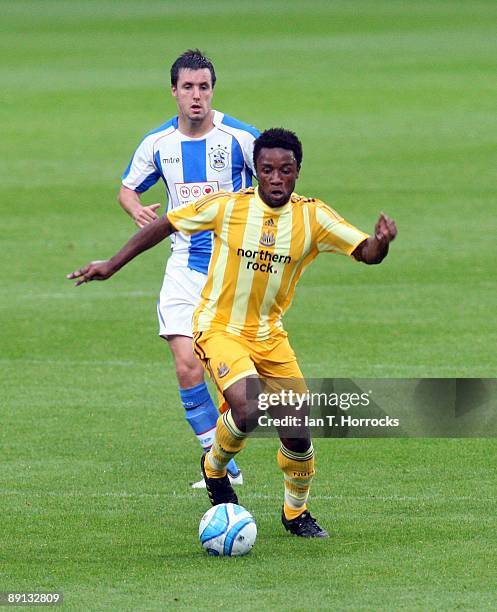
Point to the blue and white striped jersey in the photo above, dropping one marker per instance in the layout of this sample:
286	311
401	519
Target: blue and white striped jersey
192	168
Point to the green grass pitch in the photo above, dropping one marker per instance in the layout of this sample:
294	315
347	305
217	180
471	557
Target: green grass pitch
395	104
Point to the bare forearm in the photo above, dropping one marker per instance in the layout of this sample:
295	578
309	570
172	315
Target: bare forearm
371	251
145	239
374	249
129	201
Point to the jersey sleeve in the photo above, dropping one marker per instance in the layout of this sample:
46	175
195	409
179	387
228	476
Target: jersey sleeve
141	173
204	214
244	135
333	234
248	149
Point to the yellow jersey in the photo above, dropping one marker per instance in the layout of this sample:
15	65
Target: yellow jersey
259	254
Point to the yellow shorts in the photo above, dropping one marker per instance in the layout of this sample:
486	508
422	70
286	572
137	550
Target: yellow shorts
229	358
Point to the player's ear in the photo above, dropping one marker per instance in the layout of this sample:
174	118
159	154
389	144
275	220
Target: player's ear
174	91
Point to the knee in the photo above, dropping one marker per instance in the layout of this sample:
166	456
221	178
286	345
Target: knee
244	410
189	374
245	414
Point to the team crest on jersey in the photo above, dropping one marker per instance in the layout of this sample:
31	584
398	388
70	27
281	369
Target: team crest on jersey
267	239
219	158
222	369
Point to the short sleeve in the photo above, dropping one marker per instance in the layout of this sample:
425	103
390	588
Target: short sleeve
141	173
333	234
248	149
199	216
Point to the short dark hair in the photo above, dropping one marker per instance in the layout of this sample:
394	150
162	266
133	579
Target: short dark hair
192	59
281	139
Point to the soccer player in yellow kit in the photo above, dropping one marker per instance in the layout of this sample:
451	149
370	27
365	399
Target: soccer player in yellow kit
264	240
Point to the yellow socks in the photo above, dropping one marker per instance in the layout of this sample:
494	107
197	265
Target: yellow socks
298	469
228	441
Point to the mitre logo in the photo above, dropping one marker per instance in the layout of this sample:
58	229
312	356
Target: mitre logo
267	239
222	369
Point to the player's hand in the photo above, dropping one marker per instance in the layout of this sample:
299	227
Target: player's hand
145	215
96	270
385	229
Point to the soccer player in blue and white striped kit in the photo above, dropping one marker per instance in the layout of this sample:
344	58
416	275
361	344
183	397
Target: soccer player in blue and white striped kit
198	152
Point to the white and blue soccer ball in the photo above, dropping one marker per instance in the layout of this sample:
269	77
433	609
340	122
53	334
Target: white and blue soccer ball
227	530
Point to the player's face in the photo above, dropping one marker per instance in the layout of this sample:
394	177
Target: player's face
193	93
277	174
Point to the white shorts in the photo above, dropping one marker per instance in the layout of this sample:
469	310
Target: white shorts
179	296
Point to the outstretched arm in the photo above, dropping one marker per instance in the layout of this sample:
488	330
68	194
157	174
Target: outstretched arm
146	238
375	248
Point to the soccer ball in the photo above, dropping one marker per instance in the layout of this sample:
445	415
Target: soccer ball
227	530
